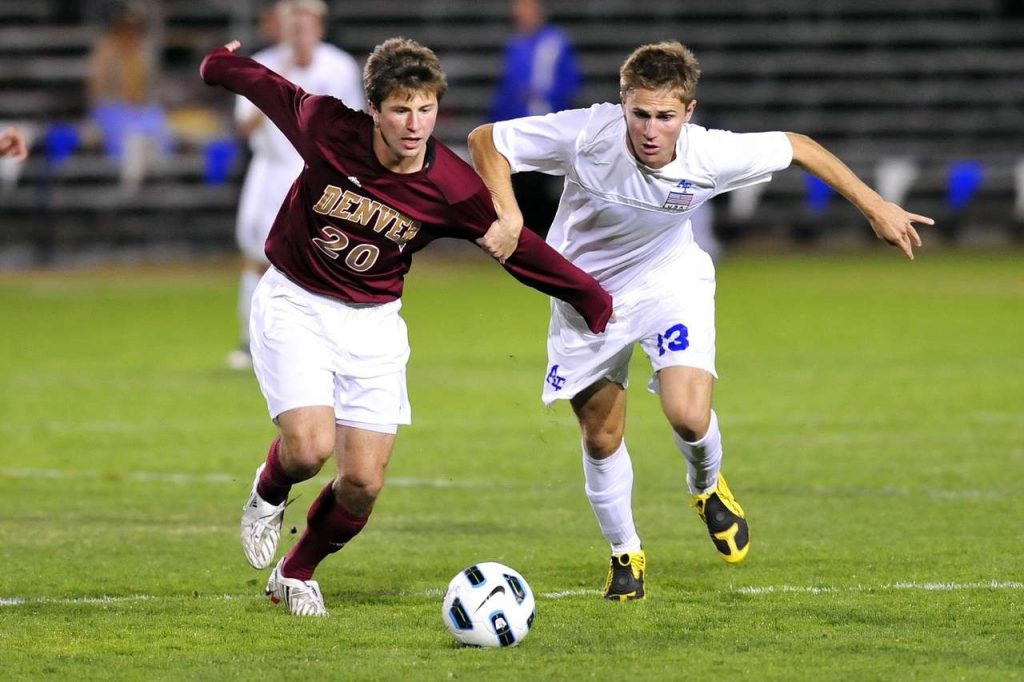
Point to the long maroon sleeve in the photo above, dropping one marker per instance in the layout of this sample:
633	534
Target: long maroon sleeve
294	111
536	264
345	202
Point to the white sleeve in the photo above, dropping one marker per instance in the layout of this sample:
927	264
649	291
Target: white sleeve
742	159
348	82
243	109
541	143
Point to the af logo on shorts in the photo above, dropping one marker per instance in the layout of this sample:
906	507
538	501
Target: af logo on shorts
556	381
679	201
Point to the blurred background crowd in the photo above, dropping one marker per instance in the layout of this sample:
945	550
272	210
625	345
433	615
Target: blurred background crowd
132	155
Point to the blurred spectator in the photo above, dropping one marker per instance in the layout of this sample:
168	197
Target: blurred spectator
13	144
270	25
123	80
540	75
317	67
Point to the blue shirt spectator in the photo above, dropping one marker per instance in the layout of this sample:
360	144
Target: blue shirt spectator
541	73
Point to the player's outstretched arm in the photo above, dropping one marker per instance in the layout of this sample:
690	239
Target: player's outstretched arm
254	120
502	237
889	221
12	143
536	264
299	115
533	262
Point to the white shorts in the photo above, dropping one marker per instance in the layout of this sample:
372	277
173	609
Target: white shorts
670	313
266	185
309	350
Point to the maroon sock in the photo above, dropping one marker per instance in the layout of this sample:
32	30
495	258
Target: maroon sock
275	482
328	528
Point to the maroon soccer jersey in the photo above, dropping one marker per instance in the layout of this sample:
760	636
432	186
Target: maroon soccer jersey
349	227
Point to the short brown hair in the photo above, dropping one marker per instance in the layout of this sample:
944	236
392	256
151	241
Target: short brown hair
668	65
317	7
403	65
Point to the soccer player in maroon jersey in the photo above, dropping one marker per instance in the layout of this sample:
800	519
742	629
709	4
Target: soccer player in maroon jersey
328	344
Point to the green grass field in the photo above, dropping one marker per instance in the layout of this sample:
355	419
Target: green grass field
873	417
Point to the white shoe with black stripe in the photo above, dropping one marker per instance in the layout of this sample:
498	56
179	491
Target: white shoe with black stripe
302	597
261	527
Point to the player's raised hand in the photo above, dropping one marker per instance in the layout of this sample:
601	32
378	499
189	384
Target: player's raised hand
501	238
12	143
896	227
233	45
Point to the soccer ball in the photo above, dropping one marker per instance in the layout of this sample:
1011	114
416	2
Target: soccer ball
488	604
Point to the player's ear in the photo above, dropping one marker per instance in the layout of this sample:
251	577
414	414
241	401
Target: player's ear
690	108
375	113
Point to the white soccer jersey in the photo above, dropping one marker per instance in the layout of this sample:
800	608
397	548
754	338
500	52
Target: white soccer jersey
617	218
331	72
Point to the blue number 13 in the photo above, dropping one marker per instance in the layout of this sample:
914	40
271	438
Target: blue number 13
674	338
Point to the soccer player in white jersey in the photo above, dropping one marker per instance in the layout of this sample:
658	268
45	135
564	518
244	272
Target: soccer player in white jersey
634	173
316	67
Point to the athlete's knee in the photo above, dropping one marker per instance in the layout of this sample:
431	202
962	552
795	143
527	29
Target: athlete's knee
601	412
368	485
306	450
602	440
691	422
357	493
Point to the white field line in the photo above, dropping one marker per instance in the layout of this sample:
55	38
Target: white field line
888	587
110	426
105	599
562	594
440	592
580	592
91	474
414	482
800	420
933	493
187	479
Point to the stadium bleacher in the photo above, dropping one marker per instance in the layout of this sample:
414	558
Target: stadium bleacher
938	82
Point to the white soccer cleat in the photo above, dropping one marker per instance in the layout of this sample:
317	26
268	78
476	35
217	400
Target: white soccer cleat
302	597
261	527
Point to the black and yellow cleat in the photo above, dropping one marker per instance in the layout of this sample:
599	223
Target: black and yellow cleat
725	520
626	576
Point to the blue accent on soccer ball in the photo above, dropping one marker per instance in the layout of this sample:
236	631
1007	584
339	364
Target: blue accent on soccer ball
503	631
459	617
475	576
514	584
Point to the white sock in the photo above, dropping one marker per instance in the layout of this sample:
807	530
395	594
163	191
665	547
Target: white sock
703	458
609	486
246	286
